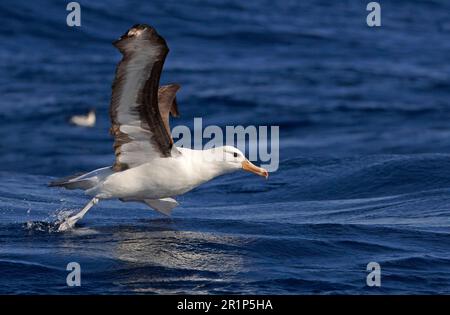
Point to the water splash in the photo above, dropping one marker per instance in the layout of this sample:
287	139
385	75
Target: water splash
50	225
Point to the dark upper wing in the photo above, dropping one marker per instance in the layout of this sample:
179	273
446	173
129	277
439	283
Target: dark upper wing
138	122
167	103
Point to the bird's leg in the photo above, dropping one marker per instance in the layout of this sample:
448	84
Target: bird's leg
70	221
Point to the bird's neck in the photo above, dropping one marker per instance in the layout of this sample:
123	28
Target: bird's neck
205	164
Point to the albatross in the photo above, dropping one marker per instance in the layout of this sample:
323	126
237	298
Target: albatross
87	120
148	166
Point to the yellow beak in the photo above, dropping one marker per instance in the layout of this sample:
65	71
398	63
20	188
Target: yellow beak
250	167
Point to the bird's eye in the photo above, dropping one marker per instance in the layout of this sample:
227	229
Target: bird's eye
235	154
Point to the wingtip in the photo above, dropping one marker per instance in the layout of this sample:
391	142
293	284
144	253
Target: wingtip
174	109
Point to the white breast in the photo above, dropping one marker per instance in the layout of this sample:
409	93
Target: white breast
160	178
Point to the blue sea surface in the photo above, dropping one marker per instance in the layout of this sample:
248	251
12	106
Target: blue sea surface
364	170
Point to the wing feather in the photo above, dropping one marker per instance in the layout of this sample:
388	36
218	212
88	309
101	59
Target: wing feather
139	127
168	104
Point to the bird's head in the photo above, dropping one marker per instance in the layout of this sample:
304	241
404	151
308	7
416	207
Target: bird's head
232	159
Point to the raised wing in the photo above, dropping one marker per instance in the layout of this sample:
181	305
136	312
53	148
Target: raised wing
139	121
167	104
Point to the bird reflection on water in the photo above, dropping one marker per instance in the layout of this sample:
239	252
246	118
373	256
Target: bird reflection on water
156	256
170	255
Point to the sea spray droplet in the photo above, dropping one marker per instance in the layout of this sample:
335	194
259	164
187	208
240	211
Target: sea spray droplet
38	226
51	225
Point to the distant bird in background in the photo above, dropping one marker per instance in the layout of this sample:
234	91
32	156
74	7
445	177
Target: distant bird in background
87	120
149	168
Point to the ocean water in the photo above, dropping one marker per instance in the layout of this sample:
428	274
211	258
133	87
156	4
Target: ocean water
364	170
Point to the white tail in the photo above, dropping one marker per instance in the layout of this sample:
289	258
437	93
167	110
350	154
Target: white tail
83	181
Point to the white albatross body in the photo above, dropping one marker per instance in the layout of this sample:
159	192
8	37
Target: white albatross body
148	168
162	177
